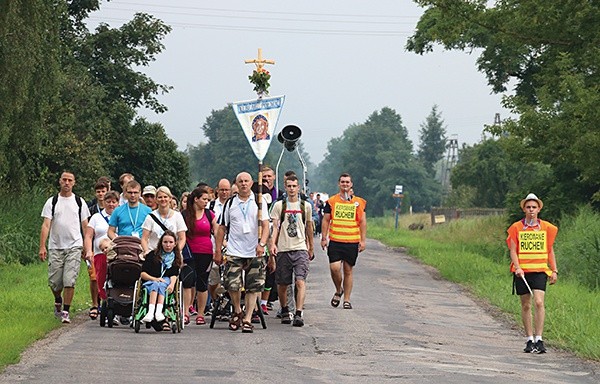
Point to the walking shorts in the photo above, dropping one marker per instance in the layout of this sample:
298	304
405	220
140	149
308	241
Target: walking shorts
295	262
346	252
63	267
254	268
536	280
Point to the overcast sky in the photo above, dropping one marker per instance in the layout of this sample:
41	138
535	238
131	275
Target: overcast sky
337	62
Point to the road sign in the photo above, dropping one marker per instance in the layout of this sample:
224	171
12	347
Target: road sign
398	189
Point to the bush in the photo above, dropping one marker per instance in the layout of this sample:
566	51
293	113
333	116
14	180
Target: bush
578	247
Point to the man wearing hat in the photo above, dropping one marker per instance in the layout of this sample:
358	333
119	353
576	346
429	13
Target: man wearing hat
531	242
149	195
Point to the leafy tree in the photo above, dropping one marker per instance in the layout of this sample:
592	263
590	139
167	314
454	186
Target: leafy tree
378	155
432	140
549	51
29	68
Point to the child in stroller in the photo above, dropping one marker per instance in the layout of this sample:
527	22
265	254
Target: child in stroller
159	275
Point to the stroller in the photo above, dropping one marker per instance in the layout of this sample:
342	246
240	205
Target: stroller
123	272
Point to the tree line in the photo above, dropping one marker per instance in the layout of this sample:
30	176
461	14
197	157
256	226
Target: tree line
549	53
69	98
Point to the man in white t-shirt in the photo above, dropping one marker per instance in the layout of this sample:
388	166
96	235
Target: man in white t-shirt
291	247
245	249
65	217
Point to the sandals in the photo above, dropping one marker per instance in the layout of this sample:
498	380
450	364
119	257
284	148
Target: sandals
186	319
247	327
200	320
93	313
347	305
235	321
166	327
335	301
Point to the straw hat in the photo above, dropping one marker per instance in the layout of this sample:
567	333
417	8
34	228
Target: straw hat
531	196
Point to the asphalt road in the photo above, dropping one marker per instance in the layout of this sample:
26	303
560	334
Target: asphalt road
407	326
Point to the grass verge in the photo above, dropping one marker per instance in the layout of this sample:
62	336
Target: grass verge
472	252
27	307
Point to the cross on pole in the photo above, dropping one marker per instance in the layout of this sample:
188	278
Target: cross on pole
259	61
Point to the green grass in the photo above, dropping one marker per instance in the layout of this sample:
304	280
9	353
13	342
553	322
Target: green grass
27	308
472	252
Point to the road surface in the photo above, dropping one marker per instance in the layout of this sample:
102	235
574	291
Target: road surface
407	326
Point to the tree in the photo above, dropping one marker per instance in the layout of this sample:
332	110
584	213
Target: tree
29	68
378	155
550	51
432	140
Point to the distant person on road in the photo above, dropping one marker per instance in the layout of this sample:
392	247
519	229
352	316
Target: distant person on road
344	234
291	248
65	218
531	244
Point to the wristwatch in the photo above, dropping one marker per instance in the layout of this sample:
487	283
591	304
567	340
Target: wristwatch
262	244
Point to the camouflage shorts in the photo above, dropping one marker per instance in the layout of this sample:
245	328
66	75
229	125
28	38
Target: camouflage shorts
254	273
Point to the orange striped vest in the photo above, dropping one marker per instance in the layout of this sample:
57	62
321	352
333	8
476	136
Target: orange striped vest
533	245
345	218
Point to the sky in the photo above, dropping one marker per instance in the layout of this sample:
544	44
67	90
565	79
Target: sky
336	61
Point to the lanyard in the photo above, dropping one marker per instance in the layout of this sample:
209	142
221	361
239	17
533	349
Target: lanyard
244	208
107	217
137	212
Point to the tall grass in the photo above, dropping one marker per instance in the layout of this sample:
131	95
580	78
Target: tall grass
20	226
473	252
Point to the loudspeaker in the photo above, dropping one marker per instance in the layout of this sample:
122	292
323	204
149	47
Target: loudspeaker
289	136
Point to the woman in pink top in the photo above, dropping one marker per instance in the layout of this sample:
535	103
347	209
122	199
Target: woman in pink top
201	222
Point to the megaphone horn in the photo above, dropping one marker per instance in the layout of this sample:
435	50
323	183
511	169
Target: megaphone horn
289	136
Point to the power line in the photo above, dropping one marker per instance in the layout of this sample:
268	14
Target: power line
262	12
262	18
268	29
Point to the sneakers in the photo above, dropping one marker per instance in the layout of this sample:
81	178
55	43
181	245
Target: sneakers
278	315
286	318
64	317
58	310
298	321
159	316
148	318
529	347
264	309
269	305
192	310
255	318
539	347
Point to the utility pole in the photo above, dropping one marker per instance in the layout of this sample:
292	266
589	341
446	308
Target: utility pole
448	164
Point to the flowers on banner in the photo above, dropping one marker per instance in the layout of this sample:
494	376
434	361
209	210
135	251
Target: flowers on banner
260	78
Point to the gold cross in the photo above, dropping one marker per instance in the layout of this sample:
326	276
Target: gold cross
260	62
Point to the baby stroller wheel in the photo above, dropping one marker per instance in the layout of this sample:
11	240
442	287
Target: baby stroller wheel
103	314
136	325
110	315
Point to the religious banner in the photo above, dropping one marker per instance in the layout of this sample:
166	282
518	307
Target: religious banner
258	119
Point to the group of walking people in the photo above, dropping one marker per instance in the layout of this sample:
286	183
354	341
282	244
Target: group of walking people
255	241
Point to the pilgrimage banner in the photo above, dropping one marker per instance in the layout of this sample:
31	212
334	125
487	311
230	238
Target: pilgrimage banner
258	119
